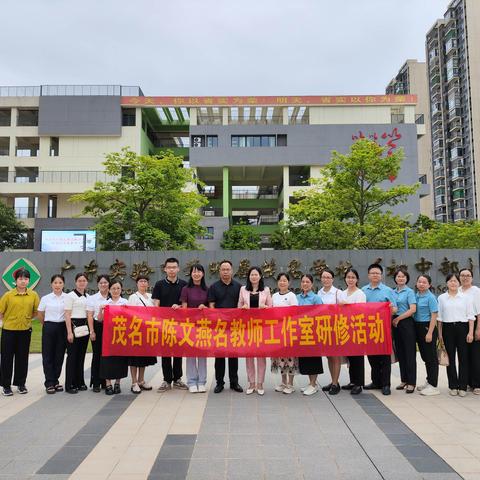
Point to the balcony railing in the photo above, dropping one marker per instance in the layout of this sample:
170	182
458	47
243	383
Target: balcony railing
73	90
60	177
25	212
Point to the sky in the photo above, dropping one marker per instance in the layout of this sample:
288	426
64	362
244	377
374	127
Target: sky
214	47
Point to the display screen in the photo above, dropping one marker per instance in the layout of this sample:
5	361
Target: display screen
68	241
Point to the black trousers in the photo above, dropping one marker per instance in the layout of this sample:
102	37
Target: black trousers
357	370
474	362
74	375
54	344
15	346
404	339
455	339
95	380
428	351
381	366
172	370
232	370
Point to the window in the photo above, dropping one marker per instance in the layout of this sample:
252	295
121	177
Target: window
204	140
5	117
27	146
3	174
52	206
423	179
27	117
26	174
298	175
4	146
25	207
54	146
258	140
128	117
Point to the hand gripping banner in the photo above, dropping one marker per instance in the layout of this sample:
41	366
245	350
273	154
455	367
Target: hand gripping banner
303	331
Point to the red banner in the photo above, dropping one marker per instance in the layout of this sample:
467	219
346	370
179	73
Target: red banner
304	331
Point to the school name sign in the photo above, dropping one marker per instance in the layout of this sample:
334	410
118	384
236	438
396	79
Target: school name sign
316	330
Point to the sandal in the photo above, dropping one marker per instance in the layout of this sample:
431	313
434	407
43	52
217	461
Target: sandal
402	386
58	388
51	390
409	388
108	390
145	386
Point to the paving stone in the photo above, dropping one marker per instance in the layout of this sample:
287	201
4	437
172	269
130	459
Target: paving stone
180	439
176	451
170	466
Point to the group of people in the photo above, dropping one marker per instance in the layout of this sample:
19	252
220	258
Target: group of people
71	319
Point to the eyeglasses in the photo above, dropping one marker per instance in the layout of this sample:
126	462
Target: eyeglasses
465	276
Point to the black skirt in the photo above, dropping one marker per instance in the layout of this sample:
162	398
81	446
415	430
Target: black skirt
310	365
141	361
113	367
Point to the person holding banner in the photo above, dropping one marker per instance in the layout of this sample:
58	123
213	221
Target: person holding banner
76	316
113	367
467	288
17	308
311	366
51	313
166	293
224	294
403	331
456	318
381	366
255	295
141	298
426	333
96	328
353	294
194	295
288	367
329	295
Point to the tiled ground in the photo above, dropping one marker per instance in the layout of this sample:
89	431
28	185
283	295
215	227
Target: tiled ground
177	435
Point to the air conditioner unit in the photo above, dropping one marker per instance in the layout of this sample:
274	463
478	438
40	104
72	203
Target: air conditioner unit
209	213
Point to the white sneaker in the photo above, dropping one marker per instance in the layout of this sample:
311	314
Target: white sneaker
261	391
249	391
422	387
462	393
202	389
288	389
429	390
280	388
453	392
476	391
310	390
193	389
304	388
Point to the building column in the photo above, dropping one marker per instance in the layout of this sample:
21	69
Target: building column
286	190
225	111
226	192
285	115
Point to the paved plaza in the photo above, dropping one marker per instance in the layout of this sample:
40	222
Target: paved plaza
177	435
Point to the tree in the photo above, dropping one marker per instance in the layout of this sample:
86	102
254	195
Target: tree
241	237
348	207
148	207
11	230
446	235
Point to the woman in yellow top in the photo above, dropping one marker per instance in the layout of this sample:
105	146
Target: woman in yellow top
17	308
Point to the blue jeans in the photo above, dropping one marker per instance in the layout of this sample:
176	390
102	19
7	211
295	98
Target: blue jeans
196	371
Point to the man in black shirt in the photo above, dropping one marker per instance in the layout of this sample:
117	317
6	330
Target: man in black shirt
166	293
224	294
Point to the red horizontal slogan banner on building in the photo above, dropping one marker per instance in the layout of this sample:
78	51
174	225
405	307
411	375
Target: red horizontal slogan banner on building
313	330
273	101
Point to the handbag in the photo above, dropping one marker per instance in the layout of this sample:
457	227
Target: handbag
81	331
442	355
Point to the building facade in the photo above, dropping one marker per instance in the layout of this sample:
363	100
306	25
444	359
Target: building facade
252	153
453	57
412	79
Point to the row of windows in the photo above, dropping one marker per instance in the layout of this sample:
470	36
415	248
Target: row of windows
241	141
28	117
28	146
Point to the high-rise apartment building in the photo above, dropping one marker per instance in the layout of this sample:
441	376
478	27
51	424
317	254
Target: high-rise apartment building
252	153
453	58
412	79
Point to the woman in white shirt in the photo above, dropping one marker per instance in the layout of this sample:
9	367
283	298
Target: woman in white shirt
353	294
51	313
288	367
472	291
455	330
76	316
141	298
113	367
96	329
